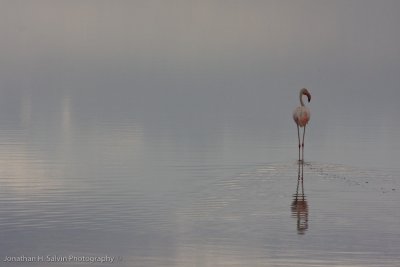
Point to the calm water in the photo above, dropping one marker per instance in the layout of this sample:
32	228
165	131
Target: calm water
160	133
92	176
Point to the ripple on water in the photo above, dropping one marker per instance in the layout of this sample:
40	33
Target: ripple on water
245	215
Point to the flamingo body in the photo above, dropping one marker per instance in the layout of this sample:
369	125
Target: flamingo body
301	115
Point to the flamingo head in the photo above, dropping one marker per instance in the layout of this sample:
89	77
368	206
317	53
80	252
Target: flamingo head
304	91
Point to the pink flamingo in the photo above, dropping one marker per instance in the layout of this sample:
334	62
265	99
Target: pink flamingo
301	116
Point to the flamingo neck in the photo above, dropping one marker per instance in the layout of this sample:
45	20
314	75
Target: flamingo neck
301	99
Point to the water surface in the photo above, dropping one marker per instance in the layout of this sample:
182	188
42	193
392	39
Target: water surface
176	192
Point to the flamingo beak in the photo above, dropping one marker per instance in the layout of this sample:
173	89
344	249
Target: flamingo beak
308	96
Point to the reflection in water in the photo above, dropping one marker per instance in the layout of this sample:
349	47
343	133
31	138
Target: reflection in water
299	205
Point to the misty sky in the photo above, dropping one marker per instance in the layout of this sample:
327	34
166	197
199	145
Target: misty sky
216	47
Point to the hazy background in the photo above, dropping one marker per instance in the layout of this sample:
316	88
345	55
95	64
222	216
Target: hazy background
222	62
165	128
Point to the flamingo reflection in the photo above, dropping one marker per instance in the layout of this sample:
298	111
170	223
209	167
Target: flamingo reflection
299	205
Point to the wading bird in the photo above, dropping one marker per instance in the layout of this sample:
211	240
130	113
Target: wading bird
301	116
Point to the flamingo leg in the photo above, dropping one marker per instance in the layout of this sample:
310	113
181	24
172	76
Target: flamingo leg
298	135
302	176
302	144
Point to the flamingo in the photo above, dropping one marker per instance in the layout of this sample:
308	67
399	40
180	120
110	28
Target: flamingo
301	116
